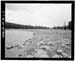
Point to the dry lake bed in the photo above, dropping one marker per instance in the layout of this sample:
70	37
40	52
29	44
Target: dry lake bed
38	43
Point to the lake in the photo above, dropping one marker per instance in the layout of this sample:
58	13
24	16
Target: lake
14	37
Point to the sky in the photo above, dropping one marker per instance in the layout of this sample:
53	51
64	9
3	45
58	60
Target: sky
37	0
38	14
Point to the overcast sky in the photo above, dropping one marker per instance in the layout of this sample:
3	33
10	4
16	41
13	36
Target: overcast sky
37	0
38	14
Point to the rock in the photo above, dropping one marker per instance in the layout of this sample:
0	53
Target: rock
29	56
69	56
27	43
40	43
41	53
44	56
20	55
55	56
48	43
44	47
64	54
59	51
60	56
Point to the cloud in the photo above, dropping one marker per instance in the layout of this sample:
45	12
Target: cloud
38	14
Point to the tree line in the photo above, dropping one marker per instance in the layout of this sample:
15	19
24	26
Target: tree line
18	26
69	26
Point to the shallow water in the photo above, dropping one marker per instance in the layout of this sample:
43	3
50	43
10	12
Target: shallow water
14	37
57	39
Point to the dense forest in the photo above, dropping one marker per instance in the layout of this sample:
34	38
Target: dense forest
9	25
69	26
18	26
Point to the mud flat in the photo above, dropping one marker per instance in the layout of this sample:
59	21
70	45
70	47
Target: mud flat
32	43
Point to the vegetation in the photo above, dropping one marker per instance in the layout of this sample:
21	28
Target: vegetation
18	26
69	26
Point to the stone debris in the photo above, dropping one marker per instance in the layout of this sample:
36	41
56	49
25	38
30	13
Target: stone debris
29	56
64	54
69	56
44	47
55	56
40	43
49	42
41	53
59	51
